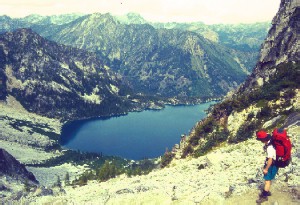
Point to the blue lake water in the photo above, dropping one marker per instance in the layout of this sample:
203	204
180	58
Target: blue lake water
135	136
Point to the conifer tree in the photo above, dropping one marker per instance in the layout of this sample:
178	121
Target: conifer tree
67	179
58	183
27	185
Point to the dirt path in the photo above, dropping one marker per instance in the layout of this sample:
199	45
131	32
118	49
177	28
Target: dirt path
279	197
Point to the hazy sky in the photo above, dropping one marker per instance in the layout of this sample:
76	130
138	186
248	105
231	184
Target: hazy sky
207	11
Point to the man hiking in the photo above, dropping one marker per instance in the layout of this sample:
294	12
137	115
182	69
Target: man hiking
270	170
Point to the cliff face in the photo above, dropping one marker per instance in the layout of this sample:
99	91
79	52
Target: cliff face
281	45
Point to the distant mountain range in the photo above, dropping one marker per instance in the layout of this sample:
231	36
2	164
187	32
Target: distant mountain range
182	60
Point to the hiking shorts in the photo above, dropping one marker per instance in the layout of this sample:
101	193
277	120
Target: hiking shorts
272	171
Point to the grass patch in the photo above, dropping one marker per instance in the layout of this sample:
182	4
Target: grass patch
35	128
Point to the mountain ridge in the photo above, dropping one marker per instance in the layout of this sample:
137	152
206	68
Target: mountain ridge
137	51
142	53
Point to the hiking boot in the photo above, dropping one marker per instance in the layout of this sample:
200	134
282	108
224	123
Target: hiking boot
266	194
262	199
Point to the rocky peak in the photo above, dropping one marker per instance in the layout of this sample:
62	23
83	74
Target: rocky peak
11	167
47	20
106	18
34	18
23	37
280	46
5	17
131	18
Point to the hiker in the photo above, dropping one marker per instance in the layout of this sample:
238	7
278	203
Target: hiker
270	169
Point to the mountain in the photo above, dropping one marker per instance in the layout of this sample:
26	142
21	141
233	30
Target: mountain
242	36
9	24
48	20
155	61
145	54
223	143
281	45
58	81
131	18
242	40
270	96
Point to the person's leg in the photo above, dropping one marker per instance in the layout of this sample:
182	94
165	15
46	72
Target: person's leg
269	177
267	185
266	191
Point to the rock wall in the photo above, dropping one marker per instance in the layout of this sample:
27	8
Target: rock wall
281	44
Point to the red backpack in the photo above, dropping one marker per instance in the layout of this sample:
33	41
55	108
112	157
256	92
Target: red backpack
283	146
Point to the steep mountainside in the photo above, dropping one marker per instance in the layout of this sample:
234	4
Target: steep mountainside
148	57
268	97
58	81
243	41
156	61
281	45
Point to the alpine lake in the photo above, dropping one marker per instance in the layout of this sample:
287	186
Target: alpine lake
135	136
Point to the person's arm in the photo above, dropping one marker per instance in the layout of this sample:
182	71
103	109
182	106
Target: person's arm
269	163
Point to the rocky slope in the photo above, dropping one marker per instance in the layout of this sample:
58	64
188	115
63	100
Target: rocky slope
58	81
30	139
27	135
228	175
14	177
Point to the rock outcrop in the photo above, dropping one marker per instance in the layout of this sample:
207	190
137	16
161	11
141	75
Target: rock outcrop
9	166
281	45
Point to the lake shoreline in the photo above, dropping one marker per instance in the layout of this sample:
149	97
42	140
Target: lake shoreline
138	119
169	102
